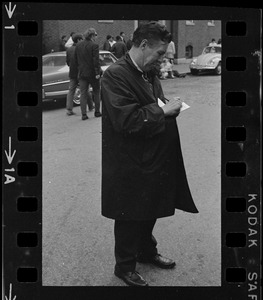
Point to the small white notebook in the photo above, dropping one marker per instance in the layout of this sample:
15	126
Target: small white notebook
184	105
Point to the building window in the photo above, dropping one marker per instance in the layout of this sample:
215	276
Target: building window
189	51
211	23
189	22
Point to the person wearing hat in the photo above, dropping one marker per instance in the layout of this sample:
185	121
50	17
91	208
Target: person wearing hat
73	72
88	62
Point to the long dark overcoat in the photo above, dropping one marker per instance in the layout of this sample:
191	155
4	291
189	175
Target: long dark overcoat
143	174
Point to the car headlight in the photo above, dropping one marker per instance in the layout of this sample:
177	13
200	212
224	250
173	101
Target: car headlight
193	62
211	62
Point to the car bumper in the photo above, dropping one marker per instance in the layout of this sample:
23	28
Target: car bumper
200	68
47	96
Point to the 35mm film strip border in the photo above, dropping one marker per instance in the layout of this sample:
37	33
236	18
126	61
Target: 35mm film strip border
240	159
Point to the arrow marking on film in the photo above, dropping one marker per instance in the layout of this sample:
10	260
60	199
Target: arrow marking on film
10	294
9	10
9	155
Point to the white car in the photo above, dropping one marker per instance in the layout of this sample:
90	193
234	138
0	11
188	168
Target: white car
208	61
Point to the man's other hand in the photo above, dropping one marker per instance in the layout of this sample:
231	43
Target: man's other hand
172	108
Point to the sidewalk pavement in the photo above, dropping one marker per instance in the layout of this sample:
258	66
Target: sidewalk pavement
182	68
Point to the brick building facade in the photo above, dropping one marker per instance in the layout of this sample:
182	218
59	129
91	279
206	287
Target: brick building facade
189	36
53	30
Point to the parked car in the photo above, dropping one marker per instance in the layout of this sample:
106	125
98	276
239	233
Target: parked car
208	61
55	80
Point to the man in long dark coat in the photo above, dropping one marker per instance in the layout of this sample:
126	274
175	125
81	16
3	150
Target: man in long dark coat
143	174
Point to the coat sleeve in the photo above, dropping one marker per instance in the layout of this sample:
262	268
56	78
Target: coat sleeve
67	57
76	57
126	113
95	56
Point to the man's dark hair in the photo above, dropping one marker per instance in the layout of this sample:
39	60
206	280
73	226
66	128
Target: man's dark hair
152	31
76	37
108	37
121	32
72	33
118	38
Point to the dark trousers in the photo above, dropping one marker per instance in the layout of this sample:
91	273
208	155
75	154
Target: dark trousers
133	238
84	96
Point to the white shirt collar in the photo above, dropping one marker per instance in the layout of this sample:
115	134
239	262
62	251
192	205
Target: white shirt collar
136	65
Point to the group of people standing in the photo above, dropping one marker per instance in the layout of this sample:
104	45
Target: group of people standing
214	43
82	57
118	47
84	70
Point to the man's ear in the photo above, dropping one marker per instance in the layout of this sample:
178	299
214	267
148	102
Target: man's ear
143	44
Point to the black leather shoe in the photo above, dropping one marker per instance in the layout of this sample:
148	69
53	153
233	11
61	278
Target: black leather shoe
84	117
159	261
130	278
97	114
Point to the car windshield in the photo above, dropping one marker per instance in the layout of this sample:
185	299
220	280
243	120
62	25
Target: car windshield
213	49
106	59
54	61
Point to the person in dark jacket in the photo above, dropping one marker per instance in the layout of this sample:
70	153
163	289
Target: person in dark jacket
129	42
119	48
107	45
62	43
122	36
143	174
87	58
73	72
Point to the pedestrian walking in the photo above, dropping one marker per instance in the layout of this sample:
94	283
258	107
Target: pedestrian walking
119	48
143	174
87	58
170	52
73	72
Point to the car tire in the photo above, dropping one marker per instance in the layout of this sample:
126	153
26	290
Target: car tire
76	98
194	72
218	69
